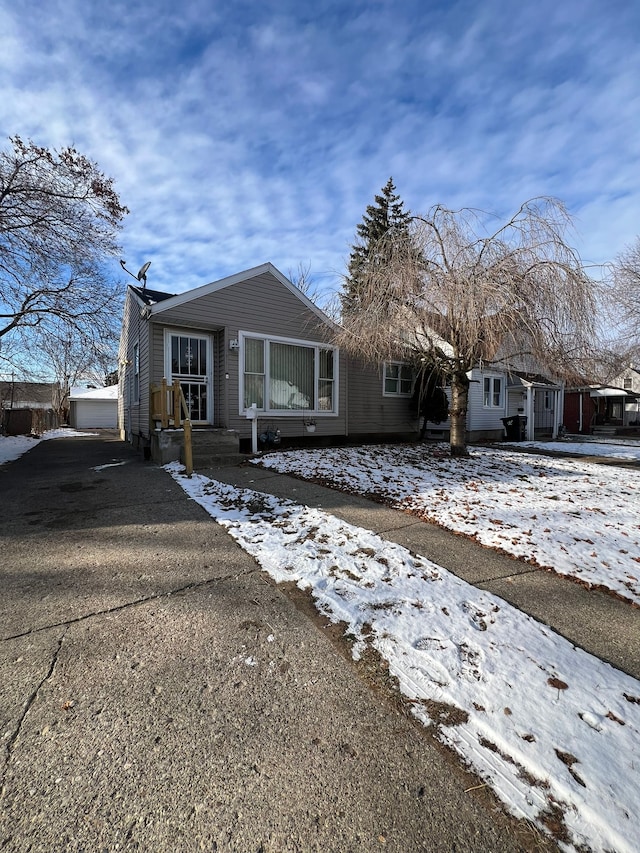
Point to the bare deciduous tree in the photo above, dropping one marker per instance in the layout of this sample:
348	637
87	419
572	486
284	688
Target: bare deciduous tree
625	299
59	220
74	357
303	280
512	295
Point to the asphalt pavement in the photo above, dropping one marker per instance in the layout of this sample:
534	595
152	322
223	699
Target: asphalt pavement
160	693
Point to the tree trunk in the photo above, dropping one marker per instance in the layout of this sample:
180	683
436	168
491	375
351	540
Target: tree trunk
458	414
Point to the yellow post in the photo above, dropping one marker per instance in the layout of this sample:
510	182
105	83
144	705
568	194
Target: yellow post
152	407
176	403
163	404
188	450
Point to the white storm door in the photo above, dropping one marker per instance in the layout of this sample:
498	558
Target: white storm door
189	360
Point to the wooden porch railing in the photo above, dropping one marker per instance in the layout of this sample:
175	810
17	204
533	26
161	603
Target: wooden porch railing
168	407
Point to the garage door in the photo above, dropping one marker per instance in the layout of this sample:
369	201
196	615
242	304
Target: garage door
96	414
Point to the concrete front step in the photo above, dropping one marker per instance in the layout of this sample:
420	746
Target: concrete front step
213	447
210	444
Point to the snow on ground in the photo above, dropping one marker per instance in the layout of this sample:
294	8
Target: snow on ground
13	446
616	448
553	730
574	517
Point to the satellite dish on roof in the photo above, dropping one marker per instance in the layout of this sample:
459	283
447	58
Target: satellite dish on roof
142	275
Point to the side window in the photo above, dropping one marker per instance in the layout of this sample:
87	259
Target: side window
254	374
398	379
135	391
492	392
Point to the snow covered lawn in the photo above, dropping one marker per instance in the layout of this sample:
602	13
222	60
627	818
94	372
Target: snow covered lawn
576	518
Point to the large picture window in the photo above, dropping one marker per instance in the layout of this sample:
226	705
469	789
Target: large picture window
282	376
398	379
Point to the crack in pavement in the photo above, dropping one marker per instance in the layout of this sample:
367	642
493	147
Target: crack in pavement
135	603
9	747
506	577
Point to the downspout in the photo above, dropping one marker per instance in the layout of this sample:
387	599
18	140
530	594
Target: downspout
556	413
580	394
226	377
346	396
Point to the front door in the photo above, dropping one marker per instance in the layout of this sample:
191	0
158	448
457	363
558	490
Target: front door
189	358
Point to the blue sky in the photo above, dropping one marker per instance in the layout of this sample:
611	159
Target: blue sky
254	130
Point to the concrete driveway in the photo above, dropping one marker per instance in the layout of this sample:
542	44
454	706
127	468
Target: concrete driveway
160	694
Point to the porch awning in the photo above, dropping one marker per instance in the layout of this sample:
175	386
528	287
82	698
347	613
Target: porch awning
608	392
520	383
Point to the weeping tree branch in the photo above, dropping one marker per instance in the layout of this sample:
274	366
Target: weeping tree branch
476	293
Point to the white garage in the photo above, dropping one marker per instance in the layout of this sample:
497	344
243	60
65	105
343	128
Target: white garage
94	409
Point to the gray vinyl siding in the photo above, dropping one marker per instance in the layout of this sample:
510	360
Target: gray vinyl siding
260	305
369	410
133	417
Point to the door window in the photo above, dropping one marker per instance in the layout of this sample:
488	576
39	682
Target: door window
190	364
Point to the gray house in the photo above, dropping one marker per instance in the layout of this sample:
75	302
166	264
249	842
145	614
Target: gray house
250	343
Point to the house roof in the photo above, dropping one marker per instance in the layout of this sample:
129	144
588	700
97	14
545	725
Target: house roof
150	297
519	379
27	392
110	393
603	391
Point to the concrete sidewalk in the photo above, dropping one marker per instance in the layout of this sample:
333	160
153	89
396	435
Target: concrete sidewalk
591	619
159	694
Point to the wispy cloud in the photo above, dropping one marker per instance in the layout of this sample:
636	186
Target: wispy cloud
256	131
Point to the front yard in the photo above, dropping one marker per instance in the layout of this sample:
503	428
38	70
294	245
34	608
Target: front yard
552	729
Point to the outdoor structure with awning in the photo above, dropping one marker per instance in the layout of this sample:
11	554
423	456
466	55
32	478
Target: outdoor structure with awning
539	400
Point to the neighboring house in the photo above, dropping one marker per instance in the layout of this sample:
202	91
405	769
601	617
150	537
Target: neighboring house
511	404
252	337
614	408
95	408
629	381
28	407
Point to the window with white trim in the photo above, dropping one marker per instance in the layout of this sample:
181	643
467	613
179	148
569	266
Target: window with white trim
493	387
283	376
627	383
135	392
398	379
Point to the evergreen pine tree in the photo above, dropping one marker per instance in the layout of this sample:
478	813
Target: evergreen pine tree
387	213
